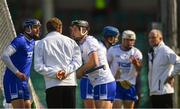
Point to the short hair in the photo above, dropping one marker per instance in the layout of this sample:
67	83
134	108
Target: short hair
157	32
53	24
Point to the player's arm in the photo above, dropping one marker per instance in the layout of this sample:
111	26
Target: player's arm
137	61
175	60
91	63
9	51
137	64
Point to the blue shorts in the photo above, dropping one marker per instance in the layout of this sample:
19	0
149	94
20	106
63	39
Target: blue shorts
126	94
15	89
86	89
105	91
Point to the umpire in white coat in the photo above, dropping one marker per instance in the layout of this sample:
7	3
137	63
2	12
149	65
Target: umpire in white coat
56	57
162	63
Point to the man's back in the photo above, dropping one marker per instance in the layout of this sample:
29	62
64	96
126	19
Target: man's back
57	52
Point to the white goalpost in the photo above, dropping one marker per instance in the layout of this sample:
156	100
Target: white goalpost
7	33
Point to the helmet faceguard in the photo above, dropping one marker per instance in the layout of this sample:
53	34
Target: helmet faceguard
81	24
29	24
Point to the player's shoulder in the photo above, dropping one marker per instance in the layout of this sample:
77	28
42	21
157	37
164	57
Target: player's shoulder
166	49
136	49
19	39
91	39
115	47
68	39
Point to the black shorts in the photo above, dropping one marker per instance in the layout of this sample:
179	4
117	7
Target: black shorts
61	97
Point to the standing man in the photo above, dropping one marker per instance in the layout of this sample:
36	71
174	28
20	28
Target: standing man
94	56
18	59
79	29
57	57
126	62
163	63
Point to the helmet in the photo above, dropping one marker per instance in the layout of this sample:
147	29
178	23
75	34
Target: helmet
110	31
80	23
31	22
128	34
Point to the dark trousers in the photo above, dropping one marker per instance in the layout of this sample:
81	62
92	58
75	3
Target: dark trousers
162	101
61	97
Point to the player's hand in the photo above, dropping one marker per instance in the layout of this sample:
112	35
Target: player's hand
79	74
21	76
136	62
170	80
118	74
61	75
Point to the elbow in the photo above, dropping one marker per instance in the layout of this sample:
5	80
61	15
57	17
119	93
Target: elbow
4	57
37	68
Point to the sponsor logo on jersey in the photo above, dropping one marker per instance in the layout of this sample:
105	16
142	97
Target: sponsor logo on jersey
29	54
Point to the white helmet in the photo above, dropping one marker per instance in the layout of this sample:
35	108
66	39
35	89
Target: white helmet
128	34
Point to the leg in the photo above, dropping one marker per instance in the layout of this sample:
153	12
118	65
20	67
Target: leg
27	104
162	101
69	96
18	103
129	104
53	97
128	96
89	103
86	90
104	94
103	104
17	94
168	100
117	104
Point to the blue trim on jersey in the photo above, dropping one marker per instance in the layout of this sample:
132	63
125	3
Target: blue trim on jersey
86	89
126	94
105	91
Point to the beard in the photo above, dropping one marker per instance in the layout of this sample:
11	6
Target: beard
36	37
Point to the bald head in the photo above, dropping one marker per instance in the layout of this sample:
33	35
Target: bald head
155	37
155	33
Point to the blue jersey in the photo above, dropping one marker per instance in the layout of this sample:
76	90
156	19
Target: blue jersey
14	88
22	58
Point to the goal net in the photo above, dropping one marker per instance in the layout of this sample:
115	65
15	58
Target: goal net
7	33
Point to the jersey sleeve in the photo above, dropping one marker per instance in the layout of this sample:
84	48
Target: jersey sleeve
92	45
17	43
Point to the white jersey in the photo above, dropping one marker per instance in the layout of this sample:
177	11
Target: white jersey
120	60
100	76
